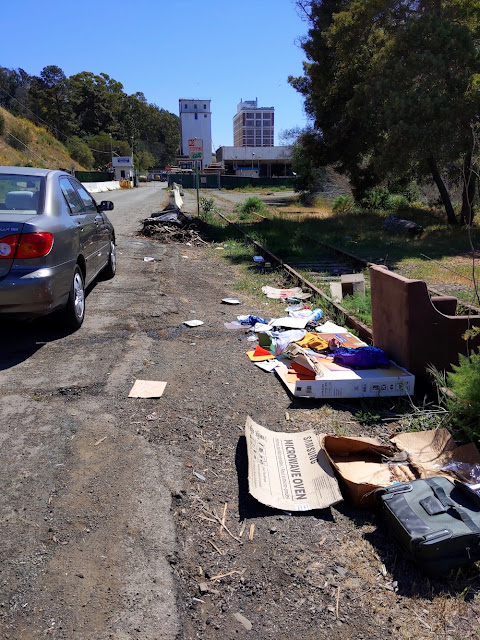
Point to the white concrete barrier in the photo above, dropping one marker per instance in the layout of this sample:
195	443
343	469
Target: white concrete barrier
175	197
101	187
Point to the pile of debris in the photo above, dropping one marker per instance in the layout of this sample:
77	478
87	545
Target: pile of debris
174	226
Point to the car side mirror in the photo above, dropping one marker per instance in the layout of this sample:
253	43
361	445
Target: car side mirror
106	205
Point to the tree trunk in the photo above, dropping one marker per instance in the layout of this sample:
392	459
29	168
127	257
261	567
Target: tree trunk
447	203
468	193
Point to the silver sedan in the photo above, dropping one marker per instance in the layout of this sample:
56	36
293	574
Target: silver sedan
54	241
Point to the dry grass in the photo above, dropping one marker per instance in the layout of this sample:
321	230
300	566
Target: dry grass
43	149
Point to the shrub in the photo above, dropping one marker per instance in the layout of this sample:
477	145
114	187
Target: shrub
396	202
464	400
252	204
208	208
343	204
80	151
2	125
376	198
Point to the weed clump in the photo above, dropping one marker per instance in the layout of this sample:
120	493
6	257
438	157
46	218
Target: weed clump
251	205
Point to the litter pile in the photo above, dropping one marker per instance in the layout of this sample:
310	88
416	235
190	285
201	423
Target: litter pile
427	487
319	360
174	226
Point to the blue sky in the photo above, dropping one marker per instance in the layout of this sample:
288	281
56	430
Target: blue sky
217	49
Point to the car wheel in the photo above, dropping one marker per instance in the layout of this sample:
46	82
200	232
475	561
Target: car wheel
111	266
74	312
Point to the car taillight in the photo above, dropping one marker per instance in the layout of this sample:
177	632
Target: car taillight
8	245
27	245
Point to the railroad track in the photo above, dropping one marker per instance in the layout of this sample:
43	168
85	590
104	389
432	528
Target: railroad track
364	332
346	263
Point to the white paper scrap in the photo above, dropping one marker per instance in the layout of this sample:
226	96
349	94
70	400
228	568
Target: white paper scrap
193	323
147	389
289	323
267	365
330	327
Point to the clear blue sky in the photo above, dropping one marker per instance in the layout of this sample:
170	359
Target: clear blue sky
217	49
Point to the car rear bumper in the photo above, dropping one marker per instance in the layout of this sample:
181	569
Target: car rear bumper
27	293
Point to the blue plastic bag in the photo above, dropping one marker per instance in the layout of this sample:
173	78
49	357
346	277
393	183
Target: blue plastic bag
361	357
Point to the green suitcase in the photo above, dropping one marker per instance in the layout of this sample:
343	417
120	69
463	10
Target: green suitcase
435	521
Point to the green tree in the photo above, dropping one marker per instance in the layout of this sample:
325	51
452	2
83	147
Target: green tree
92	102
392	86
80	151
144	160
49	102
103	146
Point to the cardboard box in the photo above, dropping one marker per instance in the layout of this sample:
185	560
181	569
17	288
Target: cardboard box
289	471
359	464
342	382
346	339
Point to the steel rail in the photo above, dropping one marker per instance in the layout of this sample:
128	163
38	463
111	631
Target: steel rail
364	332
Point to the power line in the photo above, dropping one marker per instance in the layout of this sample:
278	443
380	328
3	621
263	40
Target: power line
25	145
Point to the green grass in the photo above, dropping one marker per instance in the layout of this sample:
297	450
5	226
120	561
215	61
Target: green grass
292	238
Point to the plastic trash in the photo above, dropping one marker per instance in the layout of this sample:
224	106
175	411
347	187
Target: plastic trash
148	259
316	314
300	313
465	470
251	320
258	259
231	301
361	357
281	339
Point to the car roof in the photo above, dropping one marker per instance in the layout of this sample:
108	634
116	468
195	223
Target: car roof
30	171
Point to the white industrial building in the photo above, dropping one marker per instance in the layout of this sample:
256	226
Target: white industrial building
196	124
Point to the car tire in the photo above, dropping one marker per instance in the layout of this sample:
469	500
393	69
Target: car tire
111	266
74	312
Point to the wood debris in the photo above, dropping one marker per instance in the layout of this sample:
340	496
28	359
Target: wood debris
174	227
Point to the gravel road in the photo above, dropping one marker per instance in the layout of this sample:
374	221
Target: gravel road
110	519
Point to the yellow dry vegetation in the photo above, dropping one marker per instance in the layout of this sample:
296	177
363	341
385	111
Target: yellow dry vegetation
32	146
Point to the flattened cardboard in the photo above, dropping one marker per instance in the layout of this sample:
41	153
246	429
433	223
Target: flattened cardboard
343	382
147	389
429	451
358	462
345	338
289	471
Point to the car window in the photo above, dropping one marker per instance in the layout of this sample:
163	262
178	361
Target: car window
20	193
71	196
88	201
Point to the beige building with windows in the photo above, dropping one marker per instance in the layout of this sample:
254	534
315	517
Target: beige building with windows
253	126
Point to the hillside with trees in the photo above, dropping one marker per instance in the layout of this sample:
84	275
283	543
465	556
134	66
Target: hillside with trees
393	90
92	116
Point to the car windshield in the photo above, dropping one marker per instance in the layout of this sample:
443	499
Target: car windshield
20	193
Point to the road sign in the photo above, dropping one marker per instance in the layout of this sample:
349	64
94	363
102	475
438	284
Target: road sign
195	148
